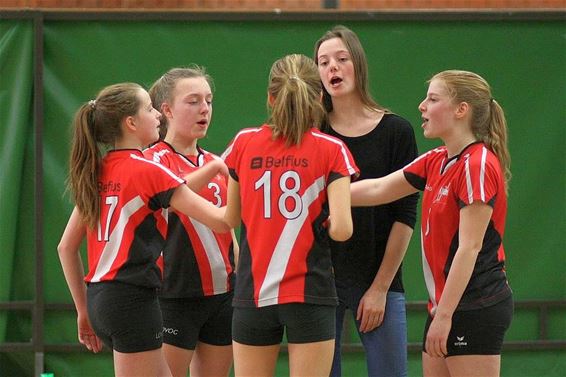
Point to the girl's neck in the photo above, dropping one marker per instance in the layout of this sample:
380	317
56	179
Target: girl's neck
128	144
350	117
346	107
455	144
181	145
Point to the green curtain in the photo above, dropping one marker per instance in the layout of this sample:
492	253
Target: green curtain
16	181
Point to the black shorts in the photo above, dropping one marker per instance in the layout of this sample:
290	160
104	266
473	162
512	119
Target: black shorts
126	317
478	332
204	319
303	323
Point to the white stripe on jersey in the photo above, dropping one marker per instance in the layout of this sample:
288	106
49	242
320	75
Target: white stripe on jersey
231	146
214	256
157	155
351	169
171	174
448	165
110	251
469	186
429	279
482	173
435	150
269	290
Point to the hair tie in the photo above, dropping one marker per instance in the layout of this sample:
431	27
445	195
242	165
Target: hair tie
92	104
294	77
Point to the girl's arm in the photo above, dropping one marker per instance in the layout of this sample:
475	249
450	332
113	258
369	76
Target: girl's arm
191	204
233	209
474	220
376	191
371	310
236	248
69	255
200	177
341	226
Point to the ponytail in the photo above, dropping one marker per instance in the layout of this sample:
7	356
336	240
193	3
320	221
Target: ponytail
496	138
295	90
84	165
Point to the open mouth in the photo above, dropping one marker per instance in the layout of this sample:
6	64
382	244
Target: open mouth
334	81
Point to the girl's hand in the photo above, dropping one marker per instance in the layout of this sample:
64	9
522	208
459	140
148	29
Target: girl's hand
437	336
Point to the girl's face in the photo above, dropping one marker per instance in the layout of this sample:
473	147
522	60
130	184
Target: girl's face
438	110
190	111
147	120
336	68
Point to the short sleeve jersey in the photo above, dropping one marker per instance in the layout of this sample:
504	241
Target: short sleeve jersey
196	260
283	256
450	184
126	242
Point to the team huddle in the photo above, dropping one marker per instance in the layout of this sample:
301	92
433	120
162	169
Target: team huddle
324	195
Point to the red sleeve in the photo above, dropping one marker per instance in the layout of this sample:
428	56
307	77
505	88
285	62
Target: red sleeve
156	183
480	178
416	171
342	164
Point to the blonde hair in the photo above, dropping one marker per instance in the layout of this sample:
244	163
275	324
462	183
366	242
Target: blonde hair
97	123
295	89
488	119
162	90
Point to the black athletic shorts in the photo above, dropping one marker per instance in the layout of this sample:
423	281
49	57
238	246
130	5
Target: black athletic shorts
204	319
478	332
126	317
303	323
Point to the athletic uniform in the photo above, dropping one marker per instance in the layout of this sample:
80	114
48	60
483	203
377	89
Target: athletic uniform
449	184
122	250
197	262
284	253
388	147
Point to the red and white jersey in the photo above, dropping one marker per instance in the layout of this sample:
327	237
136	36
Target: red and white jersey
283	257
449	185
126	242
196	260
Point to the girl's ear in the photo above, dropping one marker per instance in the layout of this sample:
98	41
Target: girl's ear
130	123
166	110
462	110
270	99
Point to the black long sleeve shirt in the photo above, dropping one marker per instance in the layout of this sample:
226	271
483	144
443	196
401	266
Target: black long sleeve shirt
388	147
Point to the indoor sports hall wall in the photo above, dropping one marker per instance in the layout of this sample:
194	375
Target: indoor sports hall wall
524	60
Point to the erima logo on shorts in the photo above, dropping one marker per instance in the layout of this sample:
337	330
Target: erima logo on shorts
460	342
170	331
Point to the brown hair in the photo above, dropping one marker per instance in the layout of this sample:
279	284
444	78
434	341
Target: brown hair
162	90
97	122
359	60
295	87
488	119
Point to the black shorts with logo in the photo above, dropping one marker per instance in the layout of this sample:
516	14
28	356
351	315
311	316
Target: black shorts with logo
478	332
302	323
187	321
126	317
